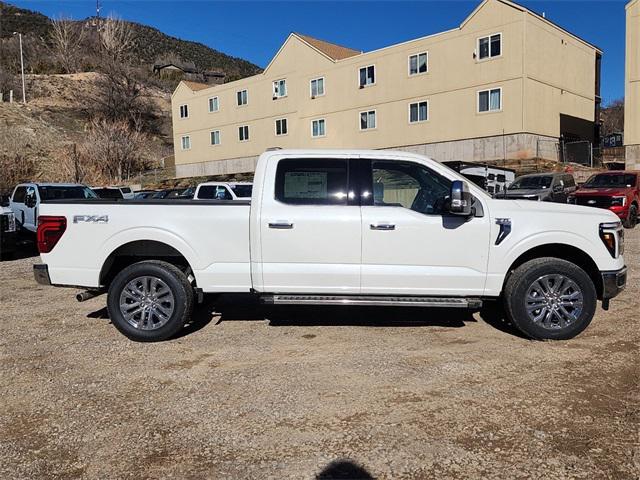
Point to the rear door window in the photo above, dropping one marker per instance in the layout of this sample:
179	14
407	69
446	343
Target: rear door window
312	181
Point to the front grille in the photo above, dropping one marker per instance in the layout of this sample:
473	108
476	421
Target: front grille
7	223
594	201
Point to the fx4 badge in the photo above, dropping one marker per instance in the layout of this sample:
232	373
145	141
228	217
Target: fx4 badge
91	219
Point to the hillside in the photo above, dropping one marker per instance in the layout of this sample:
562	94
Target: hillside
150	43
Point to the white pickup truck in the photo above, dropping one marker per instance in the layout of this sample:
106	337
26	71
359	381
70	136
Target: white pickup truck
338	227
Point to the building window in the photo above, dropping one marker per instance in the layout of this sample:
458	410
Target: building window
418	112
243	97
318	128
214	105
281	127
368	120
367	76
490	100
186	142
489	47
243	133
184	111
215	137
279	88
317	87
418	63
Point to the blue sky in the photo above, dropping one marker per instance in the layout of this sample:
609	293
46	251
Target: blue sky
255	30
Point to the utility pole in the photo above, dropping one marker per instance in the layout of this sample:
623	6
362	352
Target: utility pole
24	96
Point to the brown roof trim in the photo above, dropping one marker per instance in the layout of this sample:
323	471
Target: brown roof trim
196	86
331	50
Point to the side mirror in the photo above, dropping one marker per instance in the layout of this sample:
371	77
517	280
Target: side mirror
460	197
30	201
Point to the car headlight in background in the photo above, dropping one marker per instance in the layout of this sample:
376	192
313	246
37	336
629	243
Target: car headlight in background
612	235
618	201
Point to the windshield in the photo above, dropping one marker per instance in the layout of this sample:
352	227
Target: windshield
242	191
608	181
65	193
531	183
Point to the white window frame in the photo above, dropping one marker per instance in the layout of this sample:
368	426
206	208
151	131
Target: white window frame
418	102
409	64
490	57
375	76
275	127
488	90
211	138
375	120
217	101
186	111
276	84
247	97
325	127
247	136
324	87
182	139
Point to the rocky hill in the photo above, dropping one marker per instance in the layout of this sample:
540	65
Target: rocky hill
150	43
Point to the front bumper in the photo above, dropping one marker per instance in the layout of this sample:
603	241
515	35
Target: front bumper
612	284
7	242
41	274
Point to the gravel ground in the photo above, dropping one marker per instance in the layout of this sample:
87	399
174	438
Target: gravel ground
298	394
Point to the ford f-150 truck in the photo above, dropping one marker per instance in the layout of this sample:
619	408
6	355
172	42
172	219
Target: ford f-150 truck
618	191
338	227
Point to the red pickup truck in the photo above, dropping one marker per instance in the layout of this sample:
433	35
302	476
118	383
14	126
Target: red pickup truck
617	191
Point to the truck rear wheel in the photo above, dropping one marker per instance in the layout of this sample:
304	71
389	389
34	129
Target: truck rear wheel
150	301
550	299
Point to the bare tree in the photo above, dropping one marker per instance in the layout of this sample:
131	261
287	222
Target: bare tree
66	38
114	150
116	38
20	154
612	117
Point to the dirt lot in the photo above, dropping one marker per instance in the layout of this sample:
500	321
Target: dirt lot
403	394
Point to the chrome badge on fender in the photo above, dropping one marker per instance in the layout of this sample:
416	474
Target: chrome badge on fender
91	219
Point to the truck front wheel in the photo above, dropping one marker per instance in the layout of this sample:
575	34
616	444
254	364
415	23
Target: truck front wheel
550	299
150	301
632	220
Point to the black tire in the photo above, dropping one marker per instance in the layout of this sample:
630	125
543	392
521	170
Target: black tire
632	220
524	277
172	277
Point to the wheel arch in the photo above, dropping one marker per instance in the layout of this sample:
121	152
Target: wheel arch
561	251
137	251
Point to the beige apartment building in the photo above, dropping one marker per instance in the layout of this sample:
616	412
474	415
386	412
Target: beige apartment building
506	83
632	89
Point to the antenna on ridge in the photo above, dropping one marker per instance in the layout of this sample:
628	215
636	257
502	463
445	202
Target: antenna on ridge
98	7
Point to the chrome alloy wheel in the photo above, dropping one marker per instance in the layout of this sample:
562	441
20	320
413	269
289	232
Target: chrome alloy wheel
554	301
147	303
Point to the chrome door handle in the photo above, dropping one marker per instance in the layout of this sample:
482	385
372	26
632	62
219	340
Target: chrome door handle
382	226
281	225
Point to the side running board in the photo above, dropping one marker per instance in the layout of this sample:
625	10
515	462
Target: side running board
365	300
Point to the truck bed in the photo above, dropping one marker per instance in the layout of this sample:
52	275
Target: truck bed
213	237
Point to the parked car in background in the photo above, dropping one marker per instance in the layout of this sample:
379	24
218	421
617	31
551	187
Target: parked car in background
224	191
617	191
126	192
144	194
26	198
108	192
169	194
544	187
188	193
491	178
339	227
8	231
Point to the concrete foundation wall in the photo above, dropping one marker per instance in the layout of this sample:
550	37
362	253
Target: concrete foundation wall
514	146
632	157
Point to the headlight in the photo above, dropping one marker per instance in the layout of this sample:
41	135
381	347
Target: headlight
618	201
612	235
12	223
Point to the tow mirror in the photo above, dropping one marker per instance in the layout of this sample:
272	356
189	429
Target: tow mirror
460	199
30	201
557	189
